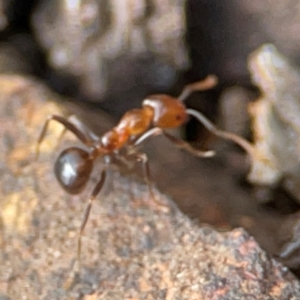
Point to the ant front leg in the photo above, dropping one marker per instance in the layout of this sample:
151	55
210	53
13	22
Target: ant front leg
244	144
187	147
178	142
68	126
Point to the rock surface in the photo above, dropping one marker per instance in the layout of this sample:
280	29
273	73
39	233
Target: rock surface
131	248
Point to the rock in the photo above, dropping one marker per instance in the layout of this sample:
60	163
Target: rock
275	120
131	249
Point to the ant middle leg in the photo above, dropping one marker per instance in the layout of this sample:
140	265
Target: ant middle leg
133	152
80	134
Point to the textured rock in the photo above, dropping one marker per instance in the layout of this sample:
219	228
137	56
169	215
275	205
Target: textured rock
131	249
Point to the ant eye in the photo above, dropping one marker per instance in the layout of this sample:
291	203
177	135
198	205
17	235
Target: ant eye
72	169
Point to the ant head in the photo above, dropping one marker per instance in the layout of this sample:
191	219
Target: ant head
72	169
168	112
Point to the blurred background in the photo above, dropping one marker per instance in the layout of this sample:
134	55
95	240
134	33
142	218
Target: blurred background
113	53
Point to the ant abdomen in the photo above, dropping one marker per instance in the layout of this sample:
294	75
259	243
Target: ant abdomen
72	169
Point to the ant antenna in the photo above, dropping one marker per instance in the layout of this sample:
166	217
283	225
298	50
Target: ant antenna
208	83
247	146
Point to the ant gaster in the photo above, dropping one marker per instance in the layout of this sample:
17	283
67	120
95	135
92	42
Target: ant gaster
74	165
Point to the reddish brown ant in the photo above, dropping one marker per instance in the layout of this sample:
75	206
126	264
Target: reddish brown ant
74	165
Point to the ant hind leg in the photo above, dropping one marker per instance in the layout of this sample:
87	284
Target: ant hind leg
96	191
143	158
81	135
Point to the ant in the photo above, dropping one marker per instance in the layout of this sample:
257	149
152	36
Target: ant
74	165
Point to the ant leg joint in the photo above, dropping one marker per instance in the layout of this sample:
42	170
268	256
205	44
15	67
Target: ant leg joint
142	157
154	131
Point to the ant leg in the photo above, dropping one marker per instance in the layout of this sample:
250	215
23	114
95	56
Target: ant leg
68	126
208	83
178	142
186	146
86	215
147	134
80	127
143	158
83	128
247	146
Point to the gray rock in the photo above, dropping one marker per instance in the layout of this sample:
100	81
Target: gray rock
275	120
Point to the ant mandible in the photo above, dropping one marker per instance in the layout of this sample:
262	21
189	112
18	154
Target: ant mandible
74	165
